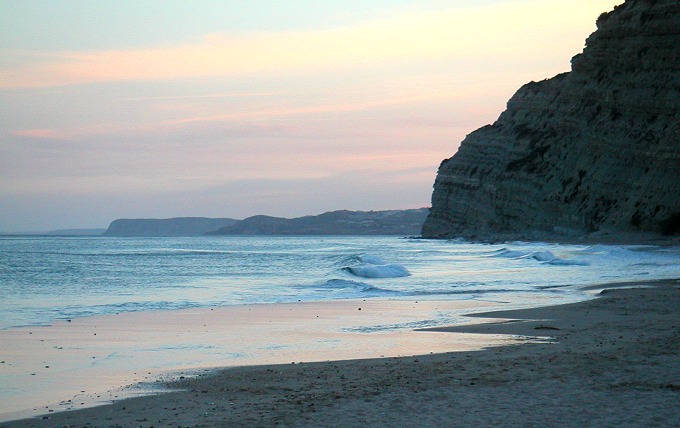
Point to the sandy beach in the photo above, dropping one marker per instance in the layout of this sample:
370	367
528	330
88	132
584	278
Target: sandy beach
94	360
610	361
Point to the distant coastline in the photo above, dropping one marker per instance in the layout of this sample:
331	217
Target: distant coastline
341	222
406	222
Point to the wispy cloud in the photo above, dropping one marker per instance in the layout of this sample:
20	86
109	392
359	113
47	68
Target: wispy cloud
198	97
259	115
505	30
38	133
319	108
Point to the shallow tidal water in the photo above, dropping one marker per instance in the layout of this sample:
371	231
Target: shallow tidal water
43	279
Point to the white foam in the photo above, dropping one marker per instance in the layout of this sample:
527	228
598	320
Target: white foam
509	254
544	256
379	271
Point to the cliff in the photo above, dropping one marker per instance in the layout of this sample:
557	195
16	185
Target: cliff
394	222
181	226
591	152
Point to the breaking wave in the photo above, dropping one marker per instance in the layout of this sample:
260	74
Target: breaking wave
371	260
382	271
375	267
545	257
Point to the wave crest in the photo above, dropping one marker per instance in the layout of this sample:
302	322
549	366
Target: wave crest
371	266
378	271
545	257
371	260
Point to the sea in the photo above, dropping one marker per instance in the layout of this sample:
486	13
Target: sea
46	279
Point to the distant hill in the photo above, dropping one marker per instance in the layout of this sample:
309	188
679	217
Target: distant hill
180	226
394	222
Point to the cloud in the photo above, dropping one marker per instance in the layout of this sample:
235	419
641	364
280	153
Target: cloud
260	118
39	133
200	155
199	96
506	30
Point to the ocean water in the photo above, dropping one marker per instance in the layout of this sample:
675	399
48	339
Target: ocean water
43	279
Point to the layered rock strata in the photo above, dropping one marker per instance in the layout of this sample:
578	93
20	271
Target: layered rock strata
594	150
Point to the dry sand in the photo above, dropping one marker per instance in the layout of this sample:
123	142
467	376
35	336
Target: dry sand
611	361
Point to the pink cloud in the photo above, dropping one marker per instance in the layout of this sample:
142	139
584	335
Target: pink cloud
492	33
38	133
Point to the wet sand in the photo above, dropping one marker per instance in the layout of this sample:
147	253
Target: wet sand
90	361
611	361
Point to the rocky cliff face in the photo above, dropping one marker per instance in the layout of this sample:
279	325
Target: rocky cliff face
595	150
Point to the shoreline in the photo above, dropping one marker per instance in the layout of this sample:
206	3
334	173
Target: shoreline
596	238
611	360
90	361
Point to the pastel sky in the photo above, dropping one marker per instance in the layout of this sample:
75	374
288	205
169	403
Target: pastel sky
229	108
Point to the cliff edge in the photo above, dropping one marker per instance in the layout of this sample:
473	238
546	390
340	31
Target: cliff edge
592	152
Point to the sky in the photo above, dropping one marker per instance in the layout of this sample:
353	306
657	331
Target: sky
231	108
